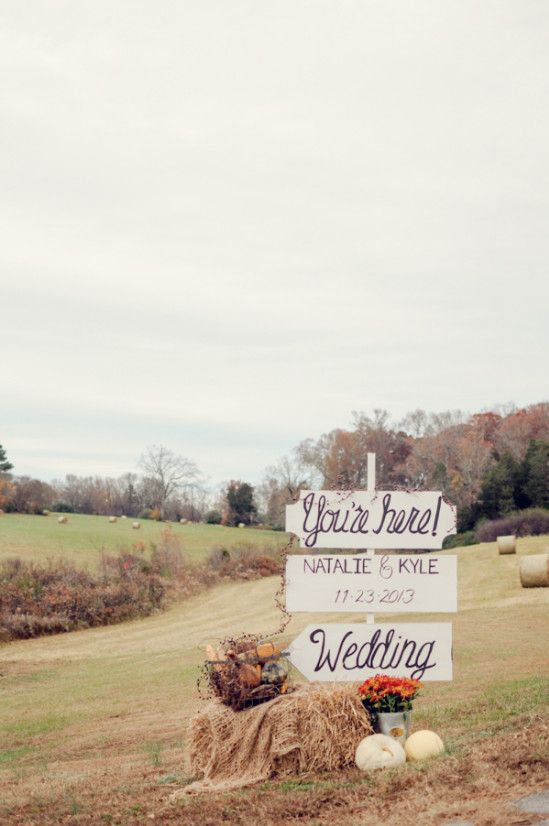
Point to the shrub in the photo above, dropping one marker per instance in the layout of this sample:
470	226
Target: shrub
459	540
49	599
530	522
214	517
61	507
244	562
37	599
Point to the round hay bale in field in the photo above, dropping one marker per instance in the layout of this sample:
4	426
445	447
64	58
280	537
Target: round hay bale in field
183	521
241	525
62	520
112	518
45	513
507	544
123	517
534	571
136	525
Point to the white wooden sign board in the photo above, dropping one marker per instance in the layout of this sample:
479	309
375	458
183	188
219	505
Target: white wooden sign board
342	652
382	583
371	519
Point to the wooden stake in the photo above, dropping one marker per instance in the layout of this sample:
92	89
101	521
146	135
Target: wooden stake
370	487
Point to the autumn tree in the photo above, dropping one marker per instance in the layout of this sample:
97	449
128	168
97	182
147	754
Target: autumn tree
487	425
7	490
340	458
518	429
336	459
83	494
454	461
30	495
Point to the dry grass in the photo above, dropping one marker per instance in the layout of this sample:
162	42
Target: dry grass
92	723
84	539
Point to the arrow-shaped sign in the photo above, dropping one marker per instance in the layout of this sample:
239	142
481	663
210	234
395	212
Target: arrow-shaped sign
340	652
371	519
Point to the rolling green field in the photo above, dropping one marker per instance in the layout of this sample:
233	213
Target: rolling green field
92	723
84	538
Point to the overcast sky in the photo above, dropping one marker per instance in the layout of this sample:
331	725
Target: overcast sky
226	225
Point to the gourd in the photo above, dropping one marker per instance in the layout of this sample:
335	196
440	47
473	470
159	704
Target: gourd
423	744
267	651
378	751
274	672
249	675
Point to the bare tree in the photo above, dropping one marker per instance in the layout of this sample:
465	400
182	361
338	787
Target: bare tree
415	423
280	486
168	474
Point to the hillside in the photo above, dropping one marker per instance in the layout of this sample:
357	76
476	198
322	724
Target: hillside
93	722
84	538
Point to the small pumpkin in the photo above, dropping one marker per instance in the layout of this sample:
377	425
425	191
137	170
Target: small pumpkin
423	744
249	676
267	651
378	751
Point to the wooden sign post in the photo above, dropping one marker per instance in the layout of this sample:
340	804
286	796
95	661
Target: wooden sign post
365	582
370	487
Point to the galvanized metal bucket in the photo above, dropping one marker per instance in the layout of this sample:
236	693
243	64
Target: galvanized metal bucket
393	723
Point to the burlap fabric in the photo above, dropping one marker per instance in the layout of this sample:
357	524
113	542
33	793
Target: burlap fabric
312	729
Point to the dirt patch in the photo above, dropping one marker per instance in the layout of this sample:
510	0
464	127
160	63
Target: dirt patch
477	783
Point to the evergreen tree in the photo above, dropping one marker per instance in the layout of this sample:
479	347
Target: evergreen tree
501	487
440	478
5	465
240	501
535	468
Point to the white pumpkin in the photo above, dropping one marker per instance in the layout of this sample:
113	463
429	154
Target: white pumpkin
423	744
378	751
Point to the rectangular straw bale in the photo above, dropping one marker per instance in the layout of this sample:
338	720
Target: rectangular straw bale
315	728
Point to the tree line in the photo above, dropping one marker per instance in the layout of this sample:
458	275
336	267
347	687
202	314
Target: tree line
169	487
487	464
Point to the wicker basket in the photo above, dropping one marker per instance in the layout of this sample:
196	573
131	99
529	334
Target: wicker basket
246	681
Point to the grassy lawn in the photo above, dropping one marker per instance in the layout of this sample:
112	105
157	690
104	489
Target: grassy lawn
92	723
84	538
